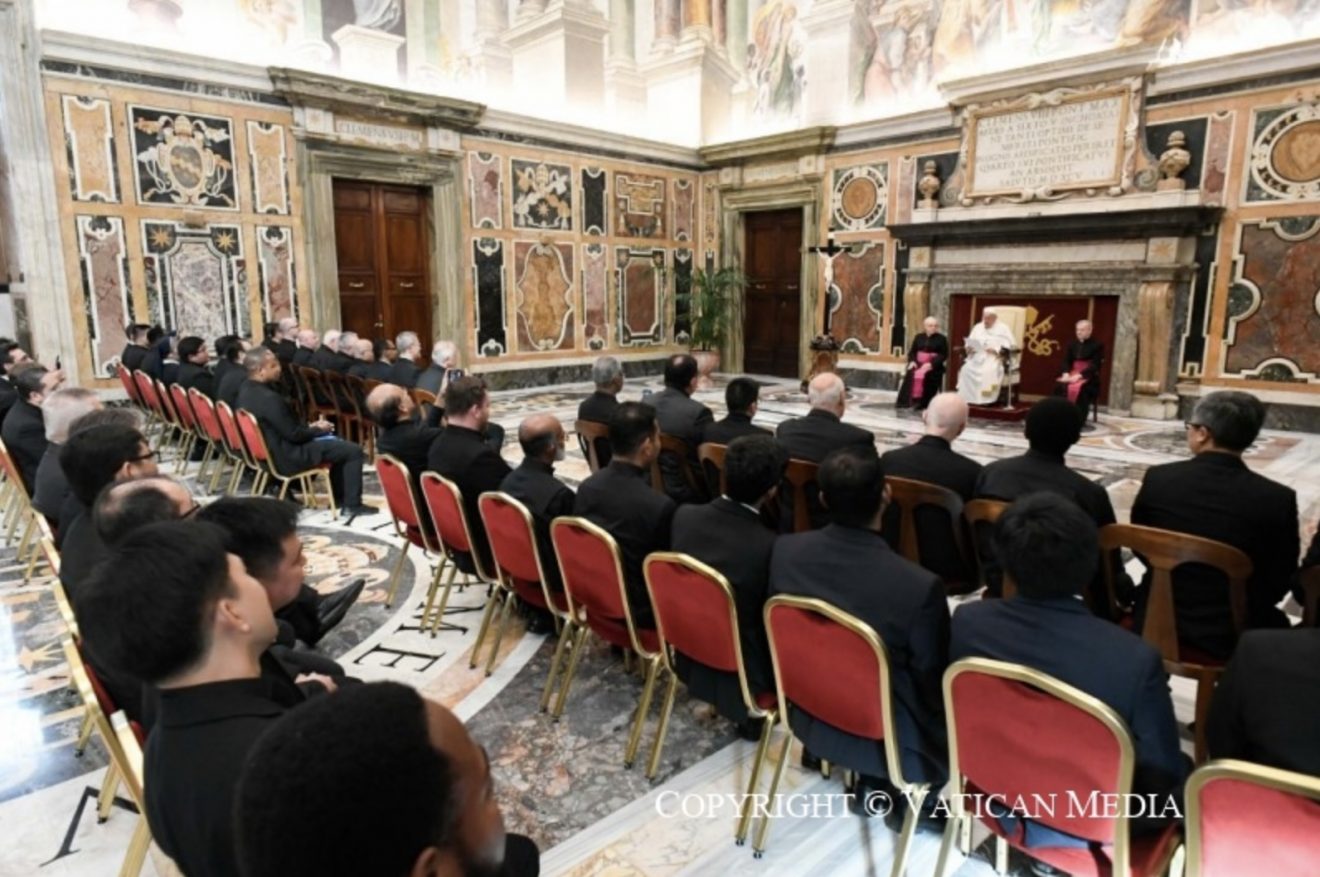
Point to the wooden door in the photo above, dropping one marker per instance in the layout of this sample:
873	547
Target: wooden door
772	313
381	245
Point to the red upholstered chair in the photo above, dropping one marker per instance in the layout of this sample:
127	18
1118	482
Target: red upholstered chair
444	502
255	442
1245	818
175	432
517	562
151	402
695	615
234	447
1023	735
411	528
598	601
836	668
187	421
208	429
131	388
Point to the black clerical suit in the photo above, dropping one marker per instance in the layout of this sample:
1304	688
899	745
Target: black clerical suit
303	357
152	363
938	347
812	438
411	442
683	417
284	350
197	377
1062	638
619	499
24	433
132	356
852	568
1265	709
223	369
430	379
404	373
1309	560
8	396
731	538
51	488
932	460
1093	353
228	386
722	432
295	446
194	757
599	407
534	485
1215	496
463	456
379	371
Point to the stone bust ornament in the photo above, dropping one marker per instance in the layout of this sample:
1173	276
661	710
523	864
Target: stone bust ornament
929	185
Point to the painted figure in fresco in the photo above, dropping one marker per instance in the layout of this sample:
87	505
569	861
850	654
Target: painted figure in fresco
775	58
893	60
276	18
377	14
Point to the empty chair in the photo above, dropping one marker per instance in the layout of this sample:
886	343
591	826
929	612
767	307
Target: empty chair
412	529
444	502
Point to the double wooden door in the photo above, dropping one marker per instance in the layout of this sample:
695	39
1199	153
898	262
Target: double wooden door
382	241
772	312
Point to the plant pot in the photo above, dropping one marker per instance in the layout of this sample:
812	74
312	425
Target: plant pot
707	363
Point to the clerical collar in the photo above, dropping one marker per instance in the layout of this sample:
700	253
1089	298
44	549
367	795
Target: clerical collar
751	508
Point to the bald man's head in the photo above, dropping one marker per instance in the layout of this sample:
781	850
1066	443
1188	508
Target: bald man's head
309	339
389	405
946	416
826	392
542	438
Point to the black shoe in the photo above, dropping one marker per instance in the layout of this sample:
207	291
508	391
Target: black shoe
539	621
358	511
875	796
749	729
332	609
809	761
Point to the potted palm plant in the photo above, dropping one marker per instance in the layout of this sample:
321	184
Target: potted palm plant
713	301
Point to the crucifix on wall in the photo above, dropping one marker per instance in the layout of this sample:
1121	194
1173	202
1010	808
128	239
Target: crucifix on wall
828	254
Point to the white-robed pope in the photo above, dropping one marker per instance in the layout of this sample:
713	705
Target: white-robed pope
982	372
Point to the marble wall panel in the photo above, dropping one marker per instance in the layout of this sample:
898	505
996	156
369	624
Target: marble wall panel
710	214
486	190
859	196
682	287
639	201
595	291
267	164
183	160
106	287
542	195
639	283
543	295
275	270
488	281
684	208
1273	327
1284	159
856	299
196	278
89	144
594	201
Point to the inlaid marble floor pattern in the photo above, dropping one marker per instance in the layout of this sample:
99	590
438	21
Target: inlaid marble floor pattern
564	783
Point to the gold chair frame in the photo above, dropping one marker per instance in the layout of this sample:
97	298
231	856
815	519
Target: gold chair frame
266	467
427	548
483	575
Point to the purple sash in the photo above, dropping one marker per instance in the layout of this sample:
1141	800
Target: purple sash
1076	386
919	376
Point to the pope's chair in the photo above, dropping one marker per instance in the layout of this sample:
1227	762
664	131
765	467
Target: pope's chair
1016	734
411	528
696	617
589	562
1245	818
444	502
255	441
834	667
1014	318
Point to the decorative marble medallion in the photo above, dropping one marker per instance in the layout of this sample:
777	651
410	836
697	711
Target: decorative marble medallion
639	280
267	162
1285	154
639	205
488	281
595	292
543	295
542	195
89	143
594	201
181	159
857	299
858	198
107	290
275	270
486	190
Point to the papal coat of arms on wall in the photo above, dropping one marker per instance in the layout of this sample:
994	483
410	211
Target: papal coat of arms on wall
183	159
542	195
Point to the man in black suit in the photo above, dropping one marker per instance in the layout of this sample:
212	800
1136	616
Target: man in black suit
1052	427
462	454
301	814
1079	378
364	359
285	344
813	437
402	433
193	373
741	397
444	359
307	344
1309	560
229	372
24	430
1264	710
619	499
729	535
12	355
153	360
534	485
1049	546
193	623
405	370
327	357
684	418
607	375
59	412
1215	496
932	459
848	565
136	348
294	446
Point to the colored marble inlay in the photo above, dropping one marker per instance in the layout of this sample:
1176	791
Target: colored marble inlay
196	278
275	266
595	282
183	160
640	286
682	288
684	206
90	146
544	295
1284	160
267	162
858	198
640	205
542	195
486	189
107	296
857	299
1277	275
593	201
488	280
710	211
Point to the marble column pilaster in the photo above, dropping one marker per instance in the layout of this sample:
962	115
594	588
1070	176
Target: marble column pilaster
668	20
625	89
1154	396
735	40
424	32
310	44
530	9
491	58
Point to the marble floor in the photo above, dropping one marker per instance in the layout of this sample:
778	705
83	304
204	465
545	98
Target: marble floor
561	782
